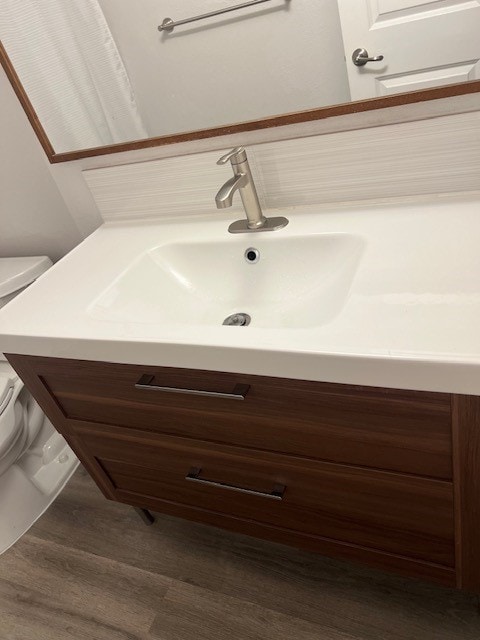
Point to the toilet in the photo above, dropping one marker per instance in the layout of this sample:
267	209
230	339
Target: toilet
35	460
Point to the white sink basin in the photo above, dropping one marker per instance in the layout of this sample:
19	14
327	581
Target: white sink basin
297	282
383	295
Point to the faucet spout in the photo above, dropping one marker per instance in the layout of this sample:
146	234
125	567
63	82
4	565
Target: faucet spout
224	197
242	181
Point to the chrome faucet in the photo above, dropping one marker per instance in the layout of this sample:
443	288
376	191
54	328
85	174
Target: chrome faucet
242	181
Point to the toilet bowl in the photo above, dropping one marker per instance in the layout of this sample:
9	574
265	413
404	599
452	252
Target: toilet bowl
35	460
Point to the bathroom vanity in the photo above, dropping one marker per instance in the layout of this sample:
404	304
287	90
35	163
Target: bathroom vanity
382	476
344	419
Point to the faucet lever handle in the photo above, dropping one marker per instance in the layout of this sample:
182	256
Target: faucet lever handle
236	156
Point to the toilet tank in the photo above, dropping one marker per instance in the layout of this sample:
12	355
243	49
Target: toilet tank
17	273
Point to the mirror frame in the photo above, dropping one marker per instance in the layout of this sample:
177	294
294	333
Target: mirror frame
422	95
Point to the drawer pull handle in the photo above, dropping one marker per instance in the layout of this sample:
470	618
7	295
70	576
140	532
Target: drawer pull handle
276	493
239	391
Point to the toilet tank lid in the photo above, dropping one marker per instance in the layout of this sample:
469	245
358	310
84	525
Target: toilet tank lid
16	273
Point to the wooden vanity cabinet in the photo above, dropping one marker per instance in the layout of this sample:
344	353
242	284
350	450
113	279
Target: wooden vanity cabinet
381	476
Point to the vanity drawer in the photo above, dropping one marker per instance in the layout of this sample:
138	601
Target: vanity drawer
388	429
395	513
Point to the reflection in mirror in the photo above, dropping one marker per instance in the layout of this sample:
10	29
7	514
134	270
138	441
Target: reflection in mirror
99	72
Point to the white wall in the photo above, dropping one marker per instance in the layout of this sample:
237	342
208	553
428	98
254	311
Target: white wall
265	60
34	219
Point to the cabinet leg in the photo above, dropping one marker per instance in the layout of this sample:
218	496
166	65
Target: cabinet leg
145	515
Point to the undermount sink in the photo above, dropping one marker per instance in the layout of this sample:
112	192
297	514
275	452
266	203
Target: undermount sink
297	282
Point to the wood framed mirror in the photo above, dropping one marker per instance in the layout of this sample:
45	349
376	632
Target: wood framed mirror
95	77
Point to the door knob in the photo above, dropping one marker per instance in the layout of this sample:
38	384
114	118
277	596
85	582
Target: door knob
360	57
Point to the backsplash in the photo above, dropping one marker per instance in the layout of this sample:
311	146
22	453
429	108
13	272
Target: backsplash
441	155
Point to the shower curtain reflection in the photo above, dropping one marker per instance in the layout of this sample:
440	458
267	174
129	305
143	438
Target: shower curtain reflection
69	64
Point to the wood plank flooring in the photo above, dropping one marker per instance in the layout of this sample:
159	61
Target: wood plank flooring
90	569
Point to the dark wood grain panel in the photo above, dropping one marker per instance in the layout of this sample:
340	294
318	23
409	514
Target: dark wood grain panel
280	433
466	440
391	429
385	561
394	513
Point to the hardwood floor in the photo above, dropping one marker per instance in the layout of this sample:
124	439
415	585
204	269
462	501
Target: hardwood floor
90	569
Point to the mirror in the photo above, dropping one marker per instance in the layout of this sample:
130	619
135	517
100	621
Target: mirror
97	73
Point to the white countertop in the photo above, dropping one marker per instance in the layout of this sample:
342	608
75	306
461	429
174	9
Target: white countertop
411	319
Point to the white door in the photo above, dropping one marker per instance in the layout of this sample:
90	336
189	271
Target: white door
425	44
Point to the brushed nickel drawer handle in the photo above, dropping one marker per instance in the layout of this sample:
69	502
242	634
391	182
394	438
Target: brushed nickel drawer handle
239	391
276	493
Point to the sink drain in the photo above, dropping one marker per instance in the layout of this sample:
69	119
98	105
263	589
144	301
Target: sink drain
237	320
